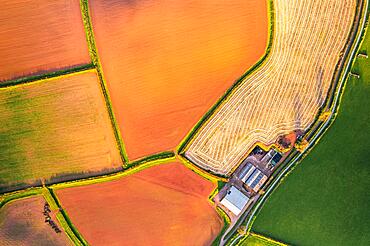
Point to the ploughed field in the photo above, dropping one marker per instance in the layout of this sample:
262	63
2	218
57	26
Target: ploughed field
22	222
40	37
286	91
162	205
53	130
167	62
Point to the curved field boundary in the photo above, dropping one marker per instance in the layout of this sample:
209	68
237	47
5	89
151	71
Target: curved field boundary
287	92
207	175
297	158
93	51
195	130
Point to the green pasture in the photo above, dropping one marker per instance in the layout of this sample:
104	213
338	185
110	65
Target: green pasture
252	240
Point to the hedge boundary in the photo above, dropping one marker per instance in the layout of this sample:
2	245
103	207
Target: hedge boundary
46	76
93	51
206	117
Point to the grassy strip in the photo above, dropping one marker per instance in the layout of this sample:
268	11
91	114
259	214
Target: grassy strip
253	239
6	198
338	76
33	78
162	155
67	229
134	167
63	218
54	204
195	130
114	176
93	51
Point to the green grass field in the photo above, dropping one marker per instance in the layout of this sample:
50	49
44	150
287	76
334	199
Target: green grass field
325	201
253	240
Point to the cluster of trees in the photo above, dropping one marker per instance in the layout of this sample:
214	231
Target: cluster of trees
48	218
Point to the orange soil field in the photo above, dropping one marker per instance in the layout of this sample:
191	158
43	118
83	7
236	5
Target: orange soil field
167	62
36	38
162	205
22	223
54	128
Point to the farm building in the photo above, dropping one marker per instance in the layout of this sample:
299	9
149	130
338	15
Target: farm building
277	157
235	200
252	177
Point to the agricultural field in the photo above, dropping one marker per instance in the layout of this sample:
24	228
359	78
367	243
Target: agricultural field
39	38
286	91
22	222
256	240
325	201
53	130
166	63
162	205
122	121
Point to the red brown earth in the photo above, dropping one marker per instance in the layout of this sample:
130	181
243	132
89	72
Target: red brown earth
162	205
167	62
40	37
22	223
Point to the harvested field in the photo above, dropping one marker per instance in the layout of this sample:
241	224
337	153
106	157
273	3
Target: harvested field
167	62
54	128
22	222
286	92
161	205
325	200
39	38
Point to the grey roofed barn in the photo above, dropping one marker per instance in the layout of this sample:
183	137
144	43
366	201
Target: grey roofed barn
235	200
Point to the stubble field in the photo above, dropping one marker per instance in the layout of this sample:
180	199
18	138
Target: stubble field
286	91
